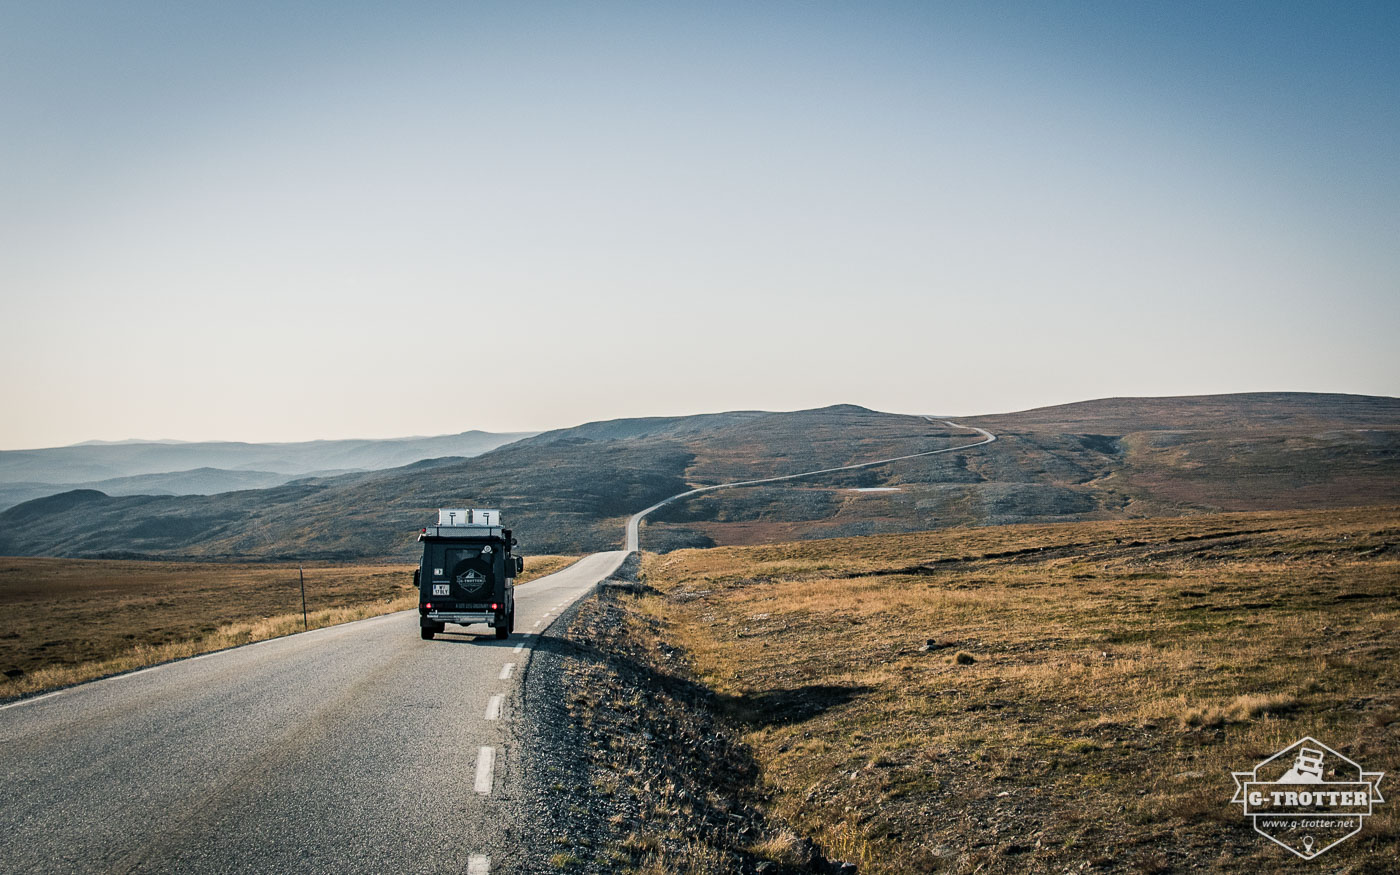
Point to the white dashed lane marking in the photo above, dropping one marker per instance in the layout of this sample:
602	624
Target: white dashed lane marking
493	707
485	769
506	670
519	647
478	864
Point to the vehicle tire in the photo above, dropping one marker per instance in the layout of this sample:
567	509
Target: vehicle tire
426	633
502	632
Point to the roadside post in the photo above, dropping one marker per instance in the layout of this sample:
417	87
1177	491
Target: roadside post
301	573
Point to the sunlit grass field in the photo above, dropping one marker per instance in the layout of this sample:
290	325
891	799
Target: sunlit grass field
63	621
1044	697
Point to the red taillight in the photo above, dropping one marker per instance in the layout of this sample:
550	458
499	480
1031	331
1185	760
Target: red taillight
428	606
494	606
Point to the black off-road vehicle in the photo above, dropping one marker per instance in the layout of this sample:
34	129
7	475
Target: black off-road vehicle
467	573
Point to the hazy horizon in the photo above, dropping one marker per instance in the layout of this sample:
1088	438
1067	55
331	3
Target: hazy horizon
293	222
350	437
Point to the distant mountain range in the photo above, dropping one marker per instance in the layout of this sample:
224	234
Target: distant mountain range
204	468
570	490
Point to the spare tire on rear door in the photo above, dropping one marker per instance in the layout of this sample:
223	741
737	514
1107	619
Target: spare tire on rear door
472	576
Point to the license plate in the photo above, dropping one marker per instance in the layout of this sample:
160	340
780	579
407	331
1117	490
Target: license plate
442	589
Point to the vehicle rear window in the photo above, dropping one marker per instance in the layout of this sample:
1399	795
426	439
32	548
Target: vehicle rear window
455	555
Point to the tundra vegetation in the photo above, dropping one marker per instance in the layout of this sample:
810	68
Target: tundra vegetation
71	620
1042	697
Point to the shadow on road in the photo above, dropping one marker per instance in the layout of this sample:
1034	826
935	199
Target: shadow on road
487	639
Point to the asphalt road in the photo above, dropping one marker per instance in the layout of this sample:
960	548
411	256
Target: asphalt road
635	523
355	748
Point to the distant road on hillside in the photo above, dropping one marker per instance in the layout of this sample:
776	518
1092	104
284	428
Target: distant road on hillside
634	524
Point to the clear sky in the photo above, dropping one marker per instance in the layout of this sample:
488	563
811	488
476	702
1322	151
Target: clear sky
284	221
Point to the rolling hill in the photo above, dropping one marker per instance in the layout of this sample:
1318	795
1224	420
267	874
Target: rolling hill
1118	458
176	468
199	481
570	490
563	491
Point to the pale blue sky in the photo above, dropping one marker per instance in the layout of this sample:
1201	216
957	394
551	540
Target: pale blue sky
275	221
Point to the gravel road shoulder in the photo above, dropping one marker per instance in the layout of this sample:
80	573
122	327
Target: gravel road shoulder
633	767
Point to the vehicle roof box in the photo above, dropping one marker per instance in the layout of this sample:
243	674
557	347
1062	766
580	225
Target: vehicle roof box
462	532
463	516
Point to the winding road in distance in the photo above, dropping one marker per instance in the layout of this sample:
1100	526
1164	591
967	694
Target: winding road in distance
634	524
357	748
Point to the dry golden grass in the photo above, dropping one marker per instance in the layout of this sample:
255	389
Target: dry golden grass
229	635
782	847
68	621
1120	671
